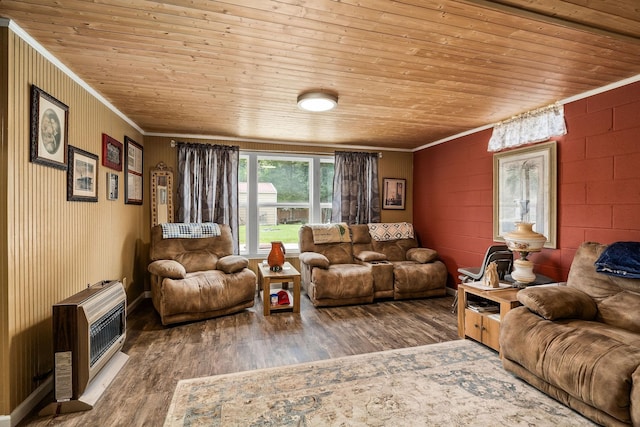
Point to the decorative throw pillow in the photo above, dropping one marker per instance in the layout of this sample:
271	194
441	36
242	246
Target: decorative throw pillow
168	268
558	302
422	255
232	263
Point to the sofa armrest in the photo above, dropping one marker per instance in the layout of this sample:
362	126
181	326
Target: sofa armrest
558	302
232	263
368	256
167	268
314	259
422	255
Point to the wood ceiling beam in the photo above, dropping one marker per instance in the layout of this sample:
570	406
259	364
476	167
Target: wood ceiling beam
564	22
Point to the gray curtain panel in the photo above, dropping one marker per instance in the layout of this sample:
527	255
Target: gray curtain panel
356	196
208	185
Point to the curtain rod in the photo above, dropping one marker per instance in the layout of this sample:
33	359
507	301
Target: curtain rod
319	153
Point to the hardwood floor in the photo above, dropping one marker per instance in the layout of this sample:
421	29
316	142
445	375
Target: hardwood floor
161	356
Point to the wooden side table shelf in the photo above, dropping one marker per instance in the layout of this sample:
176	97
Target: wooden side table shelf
286	275
484	327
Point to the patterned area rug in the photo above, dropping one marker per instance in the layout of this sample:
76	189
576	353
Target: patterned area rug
457	383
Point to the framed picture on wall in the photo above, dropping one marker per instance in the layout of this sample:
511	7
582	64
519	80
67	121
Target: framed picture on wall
49	130
111	153
524	190
133	174
112	186
393	193
82	176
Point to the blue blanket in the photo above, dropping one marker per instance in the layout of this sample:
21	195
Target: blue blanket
620	259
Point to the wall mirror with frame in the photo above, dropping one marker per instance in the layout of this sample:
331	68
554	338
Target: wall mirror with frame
161	194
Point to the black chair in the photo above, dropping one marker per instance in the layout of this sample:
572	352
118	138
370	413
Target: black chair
499	254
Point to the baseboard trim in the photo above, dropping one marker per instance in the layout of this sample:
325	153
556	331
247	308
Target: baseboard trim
28	405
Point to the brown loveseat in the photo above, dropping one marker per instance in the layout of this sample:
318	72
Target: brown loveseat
580	343
354	268
198	278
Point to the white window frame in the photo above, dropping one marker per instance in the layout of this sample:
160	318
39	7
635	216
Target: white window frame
314	205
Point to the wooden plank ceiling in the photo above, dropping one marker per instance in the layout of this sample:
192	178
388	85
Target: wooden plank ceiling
407	72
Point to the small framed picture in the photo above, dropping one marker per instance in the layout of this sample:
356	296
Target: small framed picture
393	193
111	153
112	186
133	176
82	176
49	129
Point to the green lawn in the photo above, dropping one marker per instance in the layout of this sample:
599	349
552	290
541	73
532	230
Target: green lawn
286	233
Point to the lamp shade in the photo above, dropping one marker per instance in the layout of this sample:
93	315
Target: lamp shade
317	101
524	239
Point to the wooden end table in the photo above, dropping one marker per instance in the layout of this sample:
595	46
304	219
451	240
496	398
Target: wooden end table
484	327
286	275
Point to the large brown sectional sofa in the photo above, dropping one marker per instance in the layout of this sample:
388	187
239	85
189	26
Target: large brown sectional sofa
359	265
580	343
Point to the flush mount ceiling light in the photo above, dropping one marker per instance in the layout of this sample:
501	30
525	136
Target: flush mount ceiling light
317	101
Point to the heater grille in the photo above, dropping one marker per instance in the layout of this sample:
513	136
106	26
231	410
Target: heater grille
106	331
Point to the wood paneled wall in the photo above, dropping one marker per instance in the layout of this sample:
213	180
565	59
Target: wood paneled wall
54	247
4	247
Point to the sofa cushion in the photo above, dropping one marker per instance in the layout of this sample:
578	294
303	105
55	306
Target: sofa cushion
369	256
395	250
342	281
621	310
232	263
558	302
197	260
591	361
168	268
412	280
422	255
205	291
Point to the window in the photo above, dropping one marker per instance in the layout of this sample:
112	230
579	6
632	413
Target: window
278	193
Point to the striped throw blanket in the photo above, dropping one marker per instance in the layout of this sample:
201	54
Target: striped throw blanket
192	230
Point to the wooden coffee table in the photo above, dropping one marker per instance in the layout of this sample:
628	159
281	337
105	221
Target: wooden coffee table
286	275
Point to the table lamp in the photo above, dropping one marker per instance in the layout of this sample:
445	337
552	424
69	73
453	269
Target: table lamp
524	241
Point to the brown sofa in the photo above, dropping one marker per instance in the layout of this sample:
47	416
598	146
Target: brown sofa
580	343
198	278
359	269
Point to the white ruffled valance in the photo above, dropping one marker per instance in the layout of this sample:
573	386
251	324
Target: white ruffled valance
533	126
